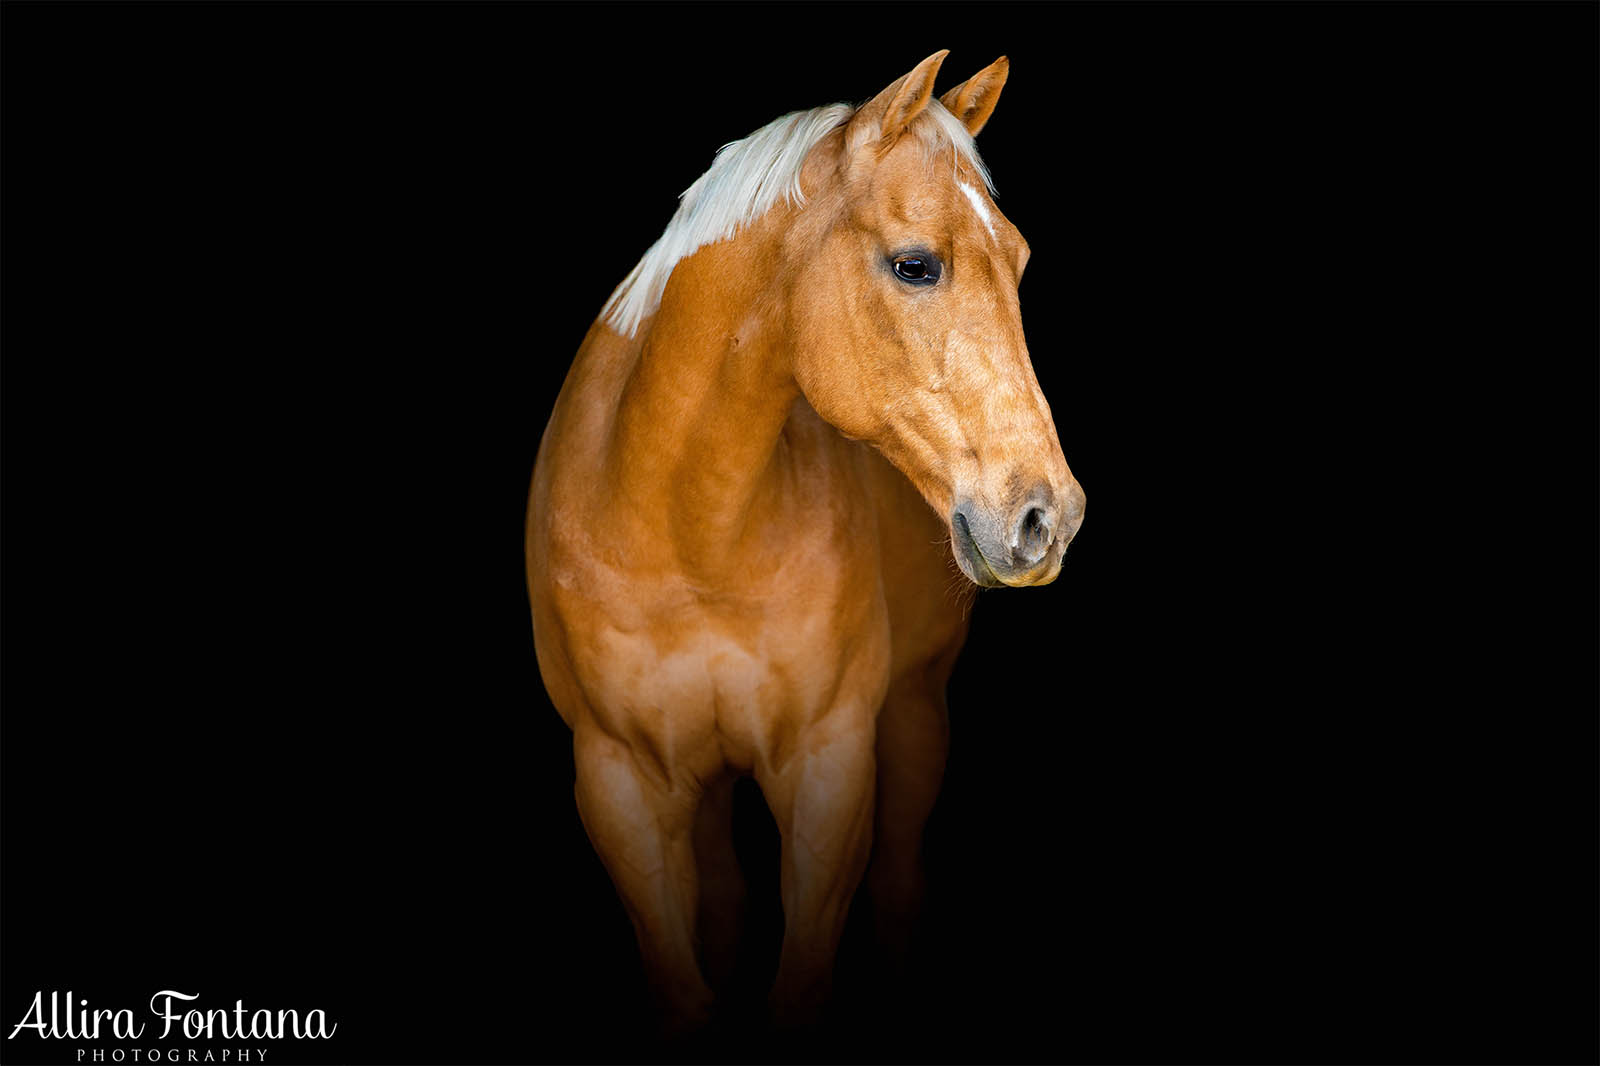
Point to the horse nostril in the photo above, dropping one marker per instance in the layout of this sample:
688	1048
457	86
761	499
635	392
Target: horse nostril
1032	537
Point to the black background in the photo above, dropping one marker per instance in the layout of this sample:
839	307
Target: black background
1295	762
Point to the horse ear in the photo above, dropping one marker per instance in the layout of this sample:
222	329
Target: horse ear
891	111
973	100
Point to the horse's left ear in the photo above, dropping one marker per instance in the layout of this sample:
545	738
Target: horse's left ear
973	100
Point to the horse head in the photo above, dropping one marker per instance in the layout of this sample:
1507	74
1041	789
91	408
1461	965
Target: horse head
903	310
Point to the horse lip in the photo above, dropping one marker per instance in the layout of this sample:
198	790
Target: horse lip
1050	564
968	541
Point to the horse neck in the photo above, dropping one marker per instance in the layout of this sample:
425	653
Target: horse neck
702	412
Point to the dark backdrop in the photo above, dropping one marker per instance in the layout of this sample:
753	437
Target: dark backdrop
1295	762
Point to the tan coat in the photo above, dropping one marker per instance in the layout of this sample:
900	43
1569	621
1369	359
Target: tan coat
754	525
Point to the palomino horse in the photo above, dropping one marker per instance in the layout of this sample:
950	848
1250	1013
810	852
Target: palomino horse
810	393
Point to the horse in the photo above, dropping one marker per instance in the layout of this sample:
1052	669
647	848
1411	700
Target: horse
809	398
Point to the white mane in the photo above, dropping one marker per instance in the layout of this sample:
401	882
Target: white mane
745	180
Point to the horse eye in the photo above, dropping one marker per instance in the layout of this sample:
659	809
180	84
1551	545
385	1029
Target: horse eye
921	270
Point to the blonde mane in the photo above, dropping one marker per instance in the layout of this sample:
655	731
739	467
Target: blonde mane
745	180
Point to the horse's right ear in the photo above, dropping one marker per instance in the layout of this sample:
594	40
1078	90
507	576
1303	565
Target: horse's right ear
888	114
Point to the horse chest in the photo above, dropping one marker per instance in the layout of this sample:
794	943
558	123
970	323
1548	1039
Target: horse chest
704	657
708	684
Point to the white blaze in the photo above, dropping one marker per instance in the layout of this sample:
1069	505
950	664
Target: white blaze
979	206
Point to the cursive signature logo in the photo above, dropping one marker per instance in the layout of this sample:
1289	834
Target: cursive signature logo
175	1018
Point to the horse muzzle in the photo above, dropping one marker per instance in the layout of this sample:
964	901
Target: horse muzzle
1016	546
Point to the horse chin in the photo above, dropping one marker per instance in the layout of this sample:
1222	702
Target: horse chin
979	573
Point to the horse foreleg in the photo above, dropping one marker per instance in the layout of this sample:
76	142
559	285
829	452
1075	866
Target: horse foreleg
822	801
722	887
913	744
643	829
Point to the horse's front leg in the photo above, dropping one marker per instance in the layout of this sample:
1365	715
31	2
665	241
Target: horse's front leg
642	825
722	887
913	744
822	799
